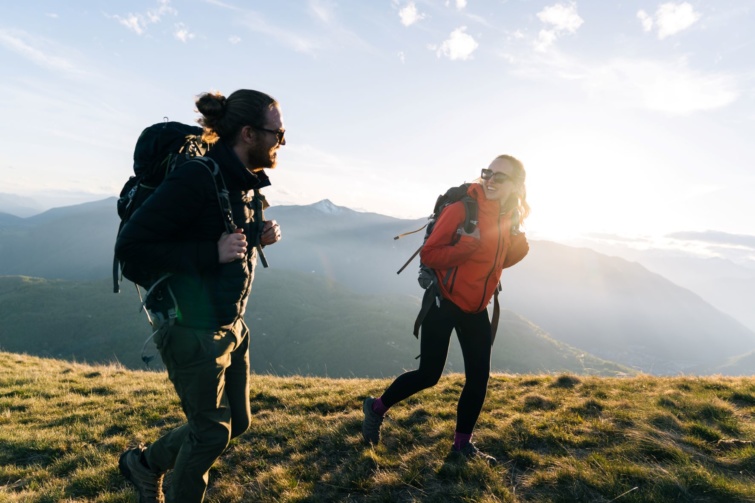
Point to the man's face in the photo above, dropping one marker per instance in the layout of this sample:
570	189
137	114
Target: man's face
263	153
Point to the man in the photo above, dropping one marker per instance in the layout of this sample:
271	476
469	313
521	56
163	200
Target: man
181	230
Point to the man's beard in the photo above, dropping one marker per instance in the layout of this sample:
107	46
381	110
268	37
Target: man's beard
261	158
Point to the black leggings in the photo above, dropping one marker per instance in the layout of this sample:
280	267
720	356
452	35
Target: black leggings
473	331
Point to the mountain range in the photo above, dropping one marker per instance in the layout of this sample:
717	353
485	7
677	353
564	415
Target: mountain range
608	307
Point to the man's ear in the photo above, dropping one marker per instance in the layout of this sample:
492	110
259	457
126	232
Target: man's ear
248	134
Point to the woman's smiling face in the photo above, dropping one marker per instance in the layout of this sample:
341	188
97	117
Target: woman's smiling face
499	180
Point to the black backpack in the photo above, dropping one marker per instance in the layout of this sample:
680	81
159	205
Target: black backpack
427	278
160	149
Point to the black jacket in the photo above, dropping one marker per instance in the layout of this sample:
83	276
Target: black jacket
177	230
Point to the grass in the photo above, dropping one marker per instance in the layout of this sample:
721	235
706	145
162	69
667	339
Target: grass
560	438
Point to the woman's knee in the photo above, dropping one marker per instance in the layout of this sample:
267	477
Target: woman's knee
429	378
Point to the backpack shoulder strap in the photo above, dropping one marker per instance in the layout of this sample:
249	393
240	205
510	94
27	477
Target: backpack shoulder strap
221	190
259	205
470	218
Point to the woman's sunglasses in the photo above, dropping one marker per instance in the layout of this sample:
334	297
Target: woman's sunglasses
499	177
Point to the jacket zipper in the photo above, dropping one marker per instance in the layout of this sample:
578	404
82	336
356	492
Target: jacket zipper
495	263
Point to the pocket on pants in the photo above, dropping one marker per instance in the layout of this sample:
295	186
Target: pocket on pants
220	343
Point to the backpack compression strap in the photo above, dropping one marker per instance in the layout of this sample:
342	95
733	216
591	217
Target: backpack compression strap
496	314
431	295
259	204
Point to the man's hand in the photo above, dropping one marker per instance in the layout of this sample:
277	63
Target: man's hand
231	246
271	233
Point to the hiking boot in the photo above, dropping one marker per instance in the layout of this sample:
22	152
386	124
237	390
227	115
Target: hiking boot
149	485
372	422
470	451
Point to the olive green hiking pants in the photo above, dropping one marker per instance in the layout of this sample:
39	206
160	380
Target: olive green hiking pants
210	372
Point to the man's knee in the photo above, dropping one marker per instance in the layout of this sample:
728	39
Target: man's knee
213	438
239	426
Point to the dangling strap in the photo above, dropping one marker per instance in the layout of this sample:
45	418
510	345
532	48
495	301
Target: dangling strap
496	314
116	269
431	295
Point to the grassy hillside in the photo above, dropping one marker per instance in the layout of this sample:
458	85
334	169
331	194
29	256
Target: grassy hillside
560	438
300	323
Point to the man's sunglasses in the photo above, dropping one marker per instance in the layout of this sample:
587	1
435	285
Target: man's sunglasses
499	177
279	133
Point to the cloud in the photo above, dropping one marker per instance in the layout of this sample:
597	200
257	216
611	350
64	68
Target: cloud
673	18
138	22
291	39
410	15
460	4
321	11
333	35
561	19
40	51
182	33
459	45
664	86
670	19
645	19
402	57
716	238
234	39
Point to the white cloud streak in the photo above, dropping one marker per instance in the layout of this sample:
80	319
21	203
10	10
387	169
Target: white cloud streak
40	51
138	23
333	35
291	39
669	87
321	11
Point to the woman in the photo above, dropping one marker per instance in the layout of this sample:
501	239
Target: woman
477	260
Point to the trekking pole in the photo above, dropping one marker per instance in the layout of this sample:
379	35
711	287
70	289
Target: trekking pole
410	259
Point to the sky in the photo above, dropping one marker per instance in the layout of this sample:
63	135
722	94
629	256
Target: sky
634	120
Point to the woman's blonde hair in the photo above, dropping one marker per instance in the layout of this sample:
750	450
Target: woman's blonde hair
518	198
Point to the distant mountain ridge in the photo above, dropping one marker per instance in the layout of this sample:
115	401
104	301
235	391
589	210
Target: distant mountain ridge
18	206
610	307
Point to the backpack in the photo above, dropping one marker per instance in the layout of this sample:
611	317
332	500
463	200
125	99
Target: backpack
427	278
160	149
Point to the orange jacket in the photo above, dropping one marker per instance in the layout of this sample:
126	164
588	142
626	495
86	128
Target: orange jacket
468	270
